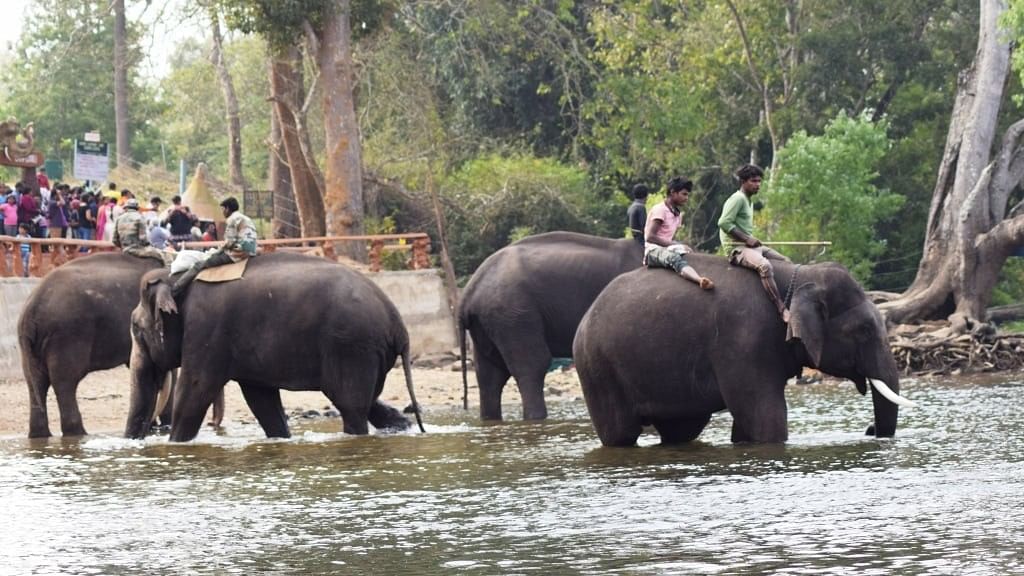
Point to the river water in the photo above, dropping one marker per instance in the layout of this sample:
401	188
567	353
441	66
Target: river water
944	497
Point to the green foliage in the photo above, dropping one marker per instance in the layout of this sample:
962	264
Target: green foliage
193	120
383	225
492	197
60	77
1010	289
824	190
282	22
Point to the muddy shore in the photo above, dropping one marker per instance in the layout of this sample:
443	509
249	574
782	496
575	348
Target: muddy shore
103	398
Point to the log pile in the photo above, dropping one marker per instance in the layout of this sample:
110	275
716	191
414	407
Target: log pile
935	348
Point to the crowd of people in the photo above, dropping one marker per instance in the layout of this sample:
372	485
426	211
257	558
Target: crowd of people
87	213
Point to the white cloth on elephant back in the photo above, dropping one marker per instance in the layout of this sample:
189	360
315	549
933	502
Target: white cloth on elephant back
186	259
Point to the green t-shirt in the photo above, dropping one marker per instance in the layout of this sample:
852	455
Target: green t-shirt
737	213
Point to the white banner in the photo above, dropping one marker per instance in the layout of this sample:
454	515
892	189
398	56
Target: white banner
92	161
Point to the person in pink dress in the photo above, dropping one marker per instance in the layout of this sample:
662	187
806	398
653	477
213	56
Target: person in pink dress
10	212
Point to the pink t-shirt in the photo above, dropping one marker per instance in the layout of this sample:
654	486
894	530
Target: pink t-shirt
10	212
669	222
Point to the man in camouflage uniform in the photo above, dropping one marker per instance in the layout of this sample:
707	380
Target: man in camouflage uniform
239	244
131	237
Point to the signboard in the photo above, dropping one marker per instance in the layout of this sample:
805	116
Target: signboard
92	161
33	160
92	137
54	169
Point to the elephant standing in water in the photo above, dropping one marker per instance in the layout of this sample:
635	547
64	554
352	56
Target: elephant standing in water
292	322
654	349
76	322
523	305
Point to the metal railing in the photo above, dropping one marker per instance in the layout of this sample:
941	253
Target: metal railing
45	254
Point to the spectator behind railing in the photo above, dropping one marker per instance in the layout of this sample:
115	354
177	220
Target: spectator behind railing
23	232
10	212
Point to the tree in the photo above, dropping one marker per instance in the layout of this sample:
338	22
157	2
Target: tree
325	29
121	65
193	129
970	233
227	87
60	77
824	190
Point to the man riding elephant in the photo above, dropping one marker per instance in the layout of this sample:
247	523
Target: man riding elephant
736	225
239	244
130	234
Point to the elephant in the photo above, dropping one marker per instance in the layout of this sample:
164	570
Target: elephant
656	350
75	322
523	305
292	322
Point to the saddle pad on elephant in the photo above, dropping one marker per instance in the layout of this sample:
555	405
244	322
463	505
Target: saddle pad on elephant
225	273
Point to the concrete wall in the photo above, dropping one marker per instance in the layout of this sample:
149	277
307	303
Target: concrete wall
419	296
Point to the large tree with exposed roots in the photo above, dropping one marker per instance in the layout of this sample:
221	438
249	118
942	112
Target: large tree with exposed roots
971	231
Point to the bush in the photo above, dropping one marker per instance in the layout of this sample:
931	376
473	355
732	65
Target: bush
495	200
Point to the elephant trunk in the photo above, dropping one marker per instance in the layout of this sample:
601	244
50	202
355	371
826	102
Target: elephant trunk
145	386
886	401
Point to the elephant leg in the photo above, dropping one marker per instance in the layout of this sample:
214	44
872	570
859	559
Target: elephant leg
265	404
528	359
67	403
192	396
614	421
760	416
349	383
384	417
491	376
531	389
38	420
680	430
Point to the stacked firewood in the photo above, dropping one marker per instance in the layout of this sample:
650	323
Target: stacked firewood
932	348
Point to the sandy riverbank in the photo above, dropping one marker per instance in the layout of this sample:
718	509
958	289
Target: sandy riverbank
103	398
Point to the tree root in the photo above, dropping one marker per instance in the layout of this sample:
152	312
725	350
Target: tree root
936	348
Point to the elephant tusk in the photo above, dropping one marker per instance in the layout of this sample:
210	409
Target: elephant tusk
891	396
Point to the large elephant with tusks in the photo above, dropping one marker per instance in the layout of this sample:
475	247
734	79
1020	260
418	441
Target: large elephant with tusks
523	305
657	350
292	322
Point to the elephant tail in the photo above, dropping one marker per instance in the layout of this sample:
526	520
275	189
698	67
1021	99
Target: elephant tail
407	367
462	355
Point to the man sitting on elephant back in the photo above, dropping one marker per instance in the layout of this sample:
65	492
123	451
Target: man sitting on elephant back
737	225
660	250
131	237
239	244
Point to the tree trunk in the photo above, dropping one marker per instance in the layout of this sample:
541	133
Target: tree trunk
343	188
967	239
286	216
121	125
286	91
227	87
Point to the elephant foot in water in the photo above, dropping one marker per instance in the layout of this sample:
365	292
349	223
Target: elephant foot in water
386	418
680	431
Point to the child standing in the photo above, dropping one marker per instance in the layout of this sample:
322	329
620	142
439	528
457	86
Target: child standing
26	249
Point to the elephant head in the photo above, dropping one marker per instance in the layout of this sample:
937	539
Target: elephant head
842	333
156	348
17	142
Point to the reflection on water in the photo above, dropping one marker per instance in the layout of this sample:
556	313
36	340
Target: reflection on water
945	497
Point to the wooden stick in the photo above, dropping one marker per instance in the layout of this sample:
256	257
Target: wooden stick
785	243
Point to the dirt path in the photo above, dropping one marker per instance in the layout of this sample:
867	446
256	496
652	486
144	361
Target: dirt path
103	398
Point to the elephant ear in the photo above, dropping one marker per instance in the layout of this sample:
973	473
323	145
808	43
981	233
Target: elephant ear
808	312
159	300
